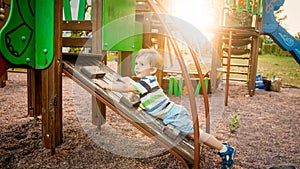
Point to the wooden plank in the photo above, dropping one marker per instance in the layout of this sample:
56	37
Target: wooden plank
85	25
237	72
238	42
235	51
238	57
77	42
6	1
236	65
239	80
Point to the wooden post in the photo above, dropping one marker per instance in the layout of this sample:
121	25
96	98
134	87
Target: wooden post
34	99
98	108
228	68
254	57
3	79
51	88
253	65
161	47
125	60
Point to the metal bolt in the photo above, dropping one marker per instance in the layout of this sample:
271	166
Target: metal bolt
2	11
132	46
2	16
23	38
106	44
27	60
45	51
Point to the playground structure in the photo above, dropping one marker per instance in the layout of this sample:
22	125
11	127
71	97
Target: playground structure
42	55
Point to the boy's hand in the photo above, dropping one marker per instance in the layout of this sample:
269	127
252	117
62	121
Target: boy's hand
126	79
102	84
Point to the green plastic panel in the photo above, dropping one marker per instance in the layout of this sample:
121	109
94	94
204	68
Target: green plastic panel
67	10
81	10
17	35
118	25
171	85
27	38
44	33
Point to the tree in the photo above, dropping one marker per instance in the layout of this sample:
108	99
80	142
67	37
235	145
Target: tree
297	36
281	16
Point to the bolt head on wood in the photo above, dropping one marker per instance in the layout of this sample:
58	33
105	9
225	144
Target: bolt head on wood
2	17
2	11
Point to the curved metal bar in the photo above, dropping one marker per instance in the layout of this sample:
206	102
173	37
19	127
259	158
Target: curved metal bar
205	96
192	104
204	92
189	87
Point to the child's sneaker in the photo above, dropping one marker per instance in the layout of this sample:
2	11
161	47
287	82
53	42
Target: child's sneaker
227	157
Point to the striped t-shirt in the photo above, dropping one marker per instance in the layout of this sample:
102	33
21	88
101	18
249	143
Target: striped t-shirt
152	96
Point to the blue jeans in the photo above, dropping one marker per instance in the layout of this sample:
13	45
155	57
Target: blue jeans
180	118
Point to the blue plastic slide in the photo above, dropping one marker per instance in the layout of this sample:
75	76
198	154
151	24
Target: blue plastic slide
271	27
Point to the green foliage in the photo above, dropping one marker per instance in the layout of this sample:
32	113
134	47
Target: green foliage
234	123
273	48
111	55
77	34
261	42
285	68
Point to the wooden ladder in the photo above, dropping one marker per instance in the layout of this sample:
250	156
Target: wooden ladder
237	50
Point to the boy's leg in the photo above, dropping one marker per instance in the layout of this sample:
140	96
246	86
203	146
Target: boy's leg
210	140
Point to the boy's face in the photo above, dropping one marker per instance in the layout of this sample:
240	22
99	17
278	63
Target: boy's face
142	67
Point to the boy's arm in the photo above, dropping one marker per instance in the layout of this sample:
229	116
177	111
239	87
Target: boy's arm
117	86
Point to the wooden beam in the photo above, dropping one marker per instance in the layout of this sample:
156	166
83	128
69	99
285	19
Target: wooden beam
85	25
77	42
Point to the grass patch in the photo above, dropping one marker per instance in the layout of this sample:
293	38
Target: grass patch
285	68
111	55
234	123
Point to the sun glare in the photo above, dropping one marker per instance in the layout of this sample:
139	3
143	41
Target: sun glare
195	12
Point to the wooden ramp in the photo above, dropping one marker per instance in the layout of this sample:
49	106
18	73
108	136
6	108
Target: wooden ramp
171	139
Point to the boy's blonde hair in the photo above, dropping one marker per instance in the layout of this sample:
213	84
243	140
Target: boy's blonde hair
152	56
